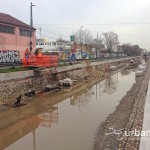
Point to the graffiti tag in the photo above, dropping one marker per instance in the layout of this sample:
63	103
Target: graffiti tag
9	56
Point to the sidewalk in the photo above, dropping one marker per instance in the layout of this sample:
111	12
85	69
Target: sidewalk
145	140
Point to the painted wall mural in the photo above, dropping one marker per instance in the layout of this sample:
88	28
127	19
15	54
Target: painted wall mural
11	56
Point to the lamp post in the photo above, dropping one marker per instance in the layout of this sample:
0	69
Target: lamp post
31	25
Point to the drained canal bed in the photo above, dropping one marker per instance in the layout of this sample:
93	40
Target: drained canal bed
71	124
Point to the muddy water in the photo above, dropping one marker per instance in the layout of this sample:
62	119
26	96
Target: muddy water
72	123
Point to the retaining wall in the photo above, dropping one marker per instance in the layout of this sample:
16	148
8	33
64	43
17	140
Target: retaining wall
30	73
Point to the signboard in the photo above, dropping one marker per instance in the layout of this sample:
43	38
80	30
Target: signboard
27	55
72	38
73	57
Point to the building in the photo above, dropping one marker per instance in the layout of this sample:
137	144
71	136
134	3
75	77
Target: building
53	46
15	35
120	49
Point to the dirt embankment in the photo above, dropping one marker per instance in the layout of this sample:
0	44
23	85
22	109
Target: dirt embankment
128	116
10	89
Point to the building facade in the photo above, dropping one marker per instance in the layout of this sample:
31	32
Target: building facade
15	35
53	46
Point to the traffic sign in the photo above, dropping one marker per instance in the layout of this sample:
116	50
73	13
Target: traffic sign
27	55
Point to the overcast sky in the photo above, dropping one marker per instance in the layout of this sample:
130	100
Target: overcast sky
130	19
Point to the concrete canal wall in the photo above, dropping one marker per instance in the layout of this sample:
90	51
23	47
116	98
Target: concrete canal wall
17	83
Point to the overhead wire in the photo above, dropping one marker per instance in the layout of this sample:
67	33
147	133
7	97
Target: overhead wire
47	36
101	32
55	33
129	23
120	34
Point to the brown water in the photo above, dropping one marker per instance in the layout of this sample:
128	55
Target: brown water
72	123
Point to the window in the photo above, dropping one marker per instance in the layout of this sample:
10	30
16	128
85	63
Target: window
7	29
25	32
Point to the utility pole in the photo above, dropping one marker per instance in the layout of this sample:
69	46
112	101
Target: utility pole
81	40
40	36
31	26
110	48
97	46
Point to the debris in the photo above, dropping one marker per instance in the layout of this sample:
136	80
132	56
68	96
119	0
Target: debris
113	68
52	88
66	82
30	93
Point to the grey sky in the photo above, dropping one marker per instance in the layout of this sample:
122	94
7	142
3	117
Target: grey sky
130	19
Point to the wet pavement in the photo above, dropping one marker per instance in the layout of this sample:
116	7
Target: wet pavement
72	123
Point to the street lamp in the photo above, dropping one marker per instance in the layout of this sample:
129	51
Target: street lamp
31	26
81	34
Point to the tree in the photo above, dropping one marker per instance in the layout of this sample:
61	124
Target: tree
111	40
60	39
97	42
131	50
83	36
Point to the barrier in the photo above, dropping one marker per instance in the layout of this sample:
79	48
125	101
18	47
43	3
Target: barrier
41	61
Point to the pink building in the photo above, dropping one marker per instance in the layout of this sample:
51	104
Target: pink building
15	35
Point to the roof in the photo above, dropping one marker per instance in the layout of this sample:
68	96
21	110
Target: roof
8	19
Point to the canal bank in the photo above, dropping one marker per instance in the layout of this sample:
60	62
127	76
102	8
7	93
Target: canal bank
115	132
17	83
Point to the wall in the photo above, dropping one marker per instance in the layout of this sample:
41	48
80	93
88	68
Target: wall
11	89
9	56
29	73
16	42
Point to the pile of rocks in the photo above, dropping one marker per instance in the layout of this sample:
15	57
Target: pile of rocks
9	90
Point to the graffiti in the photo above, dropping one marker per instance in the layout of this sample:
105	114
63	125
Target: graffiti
9	56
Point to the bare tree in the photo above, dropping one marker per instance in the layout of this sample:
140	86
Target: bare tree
60	39
111	40
97	42
131	50
83	36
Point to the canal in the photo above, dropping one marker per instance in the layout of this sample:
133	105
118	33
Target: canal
72	123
